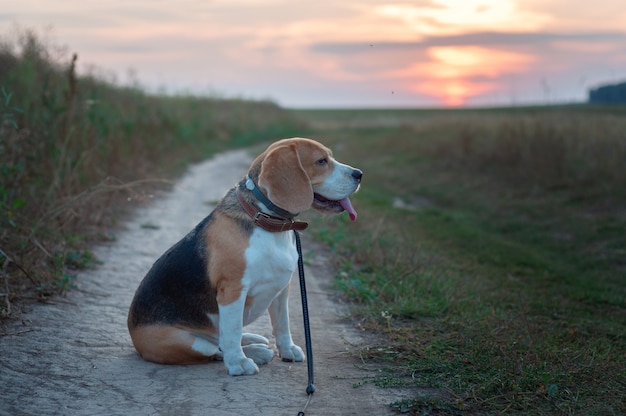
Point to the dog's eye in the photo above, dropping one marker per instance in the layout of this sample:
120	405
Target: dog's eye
322	161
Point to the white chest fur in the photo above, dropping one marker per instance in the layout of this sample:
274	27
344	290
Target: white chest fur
271	258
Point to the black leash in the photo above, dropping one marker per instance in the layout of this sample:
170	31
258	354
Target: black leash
310	389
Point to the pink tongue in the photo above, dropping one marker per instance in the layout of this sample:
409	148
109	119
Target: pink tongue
347	205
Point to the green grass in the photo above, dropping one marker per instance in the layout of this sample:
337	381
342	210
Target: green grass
498	279
74	150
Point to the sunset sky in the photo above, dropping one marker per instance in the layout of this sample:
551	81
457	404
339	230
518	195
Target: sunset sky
361	53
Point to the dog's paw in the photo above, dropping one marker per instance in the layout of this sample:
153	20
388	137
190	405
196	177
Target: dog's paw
291	353
259	353
248	338
242	367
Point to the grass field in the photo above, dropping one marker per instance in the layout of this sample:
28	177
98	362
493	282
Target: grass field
490	251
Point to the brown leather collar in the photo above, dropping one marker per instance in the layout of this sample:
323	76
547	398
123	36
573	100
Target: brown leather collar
268	222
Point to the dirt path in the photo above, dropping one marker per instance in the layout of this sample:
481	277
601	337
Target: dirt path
75	357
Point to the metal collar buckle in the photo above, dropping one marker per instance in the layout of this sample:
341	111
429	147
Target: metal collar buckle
260	214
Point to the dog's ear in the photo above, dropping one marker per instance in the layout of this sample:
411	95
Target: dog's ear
285	180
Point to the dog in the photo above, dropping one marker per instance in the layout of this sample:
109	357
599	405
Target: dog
237	263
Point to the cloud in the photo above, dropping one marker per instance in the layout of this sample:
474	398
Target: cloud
456	68
494	39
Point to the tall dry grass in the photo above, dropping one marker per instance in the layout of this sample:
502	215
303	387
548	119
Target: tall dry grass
552	149
72	148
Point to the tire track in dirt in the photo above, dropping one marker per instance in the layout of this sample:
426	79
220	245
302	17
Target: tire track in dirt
74	356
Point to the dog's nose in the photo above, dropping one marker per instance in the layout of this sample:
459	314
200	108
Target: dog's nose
357	174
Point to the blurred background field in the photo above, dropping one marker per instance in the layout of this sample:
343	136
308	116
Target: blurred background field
490	248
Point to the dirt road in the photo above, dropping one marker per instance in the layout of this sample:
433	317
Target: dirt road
74	356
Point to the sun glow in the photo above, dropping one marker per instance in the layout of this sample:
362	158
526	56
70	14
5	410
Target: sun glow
455	73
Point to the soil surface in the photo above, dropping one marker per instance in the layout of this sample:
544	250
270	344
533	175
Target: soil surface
73	355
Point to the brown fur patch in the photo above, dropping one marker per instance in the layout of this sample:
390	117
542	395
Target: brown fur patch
288	172
166	345
310	152
227	243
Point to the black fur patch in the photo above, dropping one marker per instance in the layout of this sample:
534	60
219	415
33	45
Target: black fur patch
176	290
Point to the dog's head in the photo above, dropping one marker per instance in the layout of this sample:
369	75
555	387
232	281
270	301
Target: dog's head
298	173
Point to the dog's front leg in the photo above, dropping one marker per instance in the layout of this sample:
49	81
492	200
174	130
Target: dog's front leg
231	329
279	314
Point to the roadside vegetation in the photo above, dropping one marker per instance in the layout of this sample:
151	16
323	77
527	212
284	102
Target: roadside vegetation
490	254
77	151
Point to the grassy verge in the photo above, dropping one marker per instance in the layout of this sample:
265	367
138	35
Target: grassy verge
490	252
74	150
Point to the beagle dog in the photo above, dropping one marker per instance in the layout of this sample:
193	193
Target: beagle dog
235	264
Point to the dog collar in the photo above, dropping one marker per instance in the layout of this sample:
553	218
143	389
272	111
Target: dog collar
282	213
268	222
